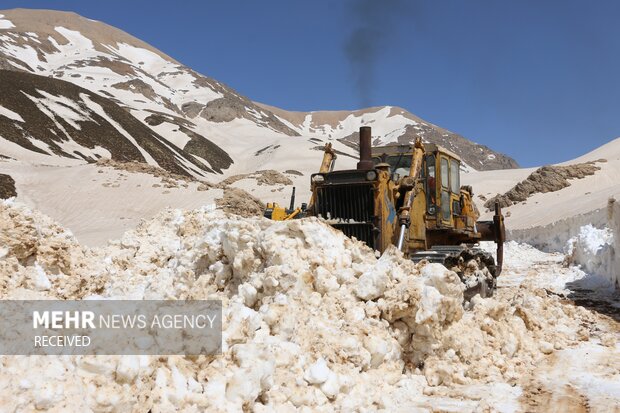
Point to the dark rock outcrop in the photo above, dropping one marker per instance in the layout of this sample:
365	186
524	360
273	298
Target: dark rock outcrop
545	179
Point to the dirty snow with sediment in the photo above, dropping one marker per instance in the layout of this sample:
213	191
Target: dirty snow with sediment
313	321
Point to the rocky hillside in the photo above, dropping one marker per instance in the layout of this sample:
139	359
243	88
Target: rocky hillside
205	125
53	117
549	178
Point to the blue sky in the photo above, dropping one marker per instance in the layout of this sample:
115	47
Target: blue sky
538	80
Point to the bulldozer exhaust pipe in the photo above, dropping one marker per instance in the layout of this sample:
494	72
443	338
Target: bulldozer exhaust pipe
292	205
365	146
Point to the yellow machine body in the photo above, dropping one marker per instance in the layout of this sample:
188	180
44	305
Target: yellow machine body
404	195
279	213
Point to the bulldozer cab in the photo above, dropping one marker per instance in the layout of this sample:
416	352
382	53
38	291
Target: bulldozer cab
440	174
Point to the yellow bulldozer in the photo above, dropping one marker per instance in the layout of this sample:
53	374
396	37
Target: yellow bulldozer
409	196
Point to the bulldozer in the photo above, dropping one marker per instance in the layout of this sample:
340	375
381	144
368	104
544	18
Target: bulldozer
410	196
279	213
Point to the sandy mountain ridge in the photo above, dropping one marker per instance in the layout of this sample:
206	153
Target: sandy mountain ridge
206	126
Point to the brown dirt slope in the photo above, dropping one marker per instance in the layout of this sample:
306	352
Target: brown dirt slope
239	202
263	177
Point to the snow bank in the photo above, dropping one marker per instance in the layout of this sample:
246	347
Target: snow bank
312	319
590	240
615	256
553	237
592	248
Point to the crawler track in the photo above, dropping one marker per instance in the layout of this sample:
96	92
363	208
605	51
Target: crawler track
476	267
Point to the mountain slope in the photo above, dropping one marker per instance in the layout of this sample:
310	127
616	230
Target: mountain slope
100	57
392	125
583	196
53	117
193	112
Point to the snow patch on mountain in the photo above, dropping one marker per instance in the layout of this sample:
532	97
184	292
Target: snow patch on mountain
101	112
10	114
4	23
60	107
387	128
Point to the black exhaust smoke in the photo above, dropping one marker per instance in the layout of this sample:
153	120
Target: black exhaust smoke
365	146
374	25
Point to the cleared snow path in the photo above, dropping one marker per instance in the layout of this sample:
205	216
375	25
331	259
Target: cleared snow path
582	378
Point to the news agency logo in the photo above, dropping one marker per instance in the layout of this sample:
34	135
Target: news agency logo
111	327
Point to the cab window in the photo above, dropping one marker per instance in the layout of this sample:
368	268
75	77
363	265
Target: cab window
400	164
430	166
431	189
444	173
455	185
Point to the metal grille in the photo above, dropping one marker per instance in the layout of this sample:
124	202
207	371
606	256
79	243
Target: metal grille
349	203
362	232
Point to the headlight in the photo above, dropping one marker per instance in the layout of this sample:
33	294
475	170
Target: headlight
318	178
432	210
371	175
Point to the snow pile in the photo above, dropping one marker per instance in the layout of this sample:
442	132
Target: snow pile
596	250
312	319
591	249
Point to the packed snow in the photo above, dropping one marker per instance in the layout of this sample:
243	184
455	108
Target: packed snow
581	198
313	321
591	249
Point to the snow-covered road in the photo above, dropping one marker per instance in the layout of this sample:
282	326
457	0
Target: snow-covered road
585	377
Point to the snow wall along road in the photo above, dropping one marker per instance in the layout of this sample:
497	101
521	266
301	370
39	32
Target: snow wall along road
614	209
591	240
